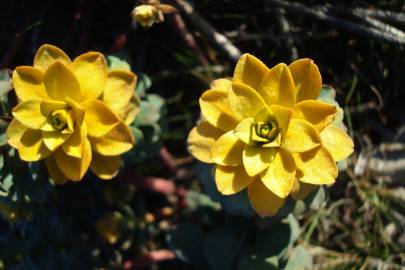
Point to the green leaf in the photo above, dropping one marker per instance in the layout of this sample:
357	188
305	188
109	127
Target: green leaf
146	147
249	262
300	260
138	135
237	204
196	200
328	95
222	249
5	81
270	244
186	241
150	111
317	198
143	84
114	62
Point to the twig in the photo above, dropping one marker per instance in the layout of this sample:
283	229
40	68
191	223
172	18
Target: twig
385	15
387	161
206	28
331	259
322	14
151	183
382	26
285	29
168	160
188	38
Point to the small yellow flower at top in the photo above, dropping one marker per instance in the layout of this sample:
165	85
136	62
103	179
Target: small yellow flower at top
265	131
151	12
73	114
146	15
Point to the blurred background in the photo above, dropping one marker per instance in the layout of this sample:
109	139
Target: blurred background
145	218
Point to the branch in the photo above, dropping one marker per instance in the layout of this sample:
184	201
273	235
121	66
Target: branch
387	16
206	28
323	14
285	29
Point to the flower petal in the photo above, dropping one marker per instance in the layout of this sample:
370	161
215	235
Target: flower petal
283	115
201	139
116	142
307	79
54	172
337	142
256	158
301	190
105	167
318	113
316	167
301	136
277	87
129	112
231	180
280	175
91	71
99	118
54	139
74	146
227	150
60	82
48	106
221	84
28	84
31	147
249	70
15	131
215	108
265	202
119	89
243	130
47	55
29	114
244	101
74	168
77	109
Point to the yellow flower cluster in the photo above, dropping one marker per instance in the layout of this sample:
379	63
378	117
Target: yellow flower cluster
74	114
265	131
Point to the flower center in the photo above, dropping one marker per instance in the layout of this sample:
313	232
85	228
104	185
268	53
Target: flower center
265	132
59	119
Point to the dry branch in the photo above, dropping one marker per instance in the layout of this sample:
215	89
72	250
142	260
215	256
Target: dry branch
285	29
384	15
324	14
206	28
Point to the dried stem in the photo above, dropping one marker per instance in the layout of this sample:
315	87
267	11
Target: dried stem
324	14
206	28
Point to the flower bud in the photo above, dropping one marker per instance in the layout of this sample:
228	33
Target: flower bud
146	15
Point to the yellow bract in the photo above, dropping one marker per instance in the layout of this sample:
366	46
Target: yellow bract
265	131
74	114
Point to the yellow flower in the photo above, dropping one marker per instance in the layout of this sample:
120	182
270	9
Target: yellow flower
265	131
74	114
150	12
146	15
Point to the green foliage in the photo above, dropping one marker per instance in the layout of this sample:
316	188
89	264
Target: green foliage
300	260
